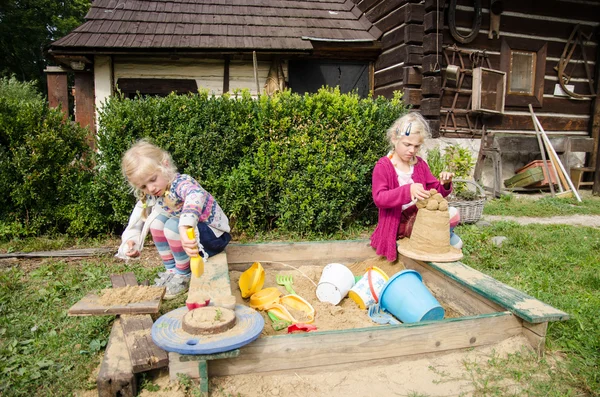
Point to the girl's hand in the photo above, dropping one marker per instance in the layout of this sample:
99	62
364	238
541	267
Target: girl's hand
189	246
446	177
417	191
131	251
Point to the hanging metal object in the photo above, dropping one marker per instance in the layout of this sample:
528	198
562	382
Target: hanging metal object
452	75
576	38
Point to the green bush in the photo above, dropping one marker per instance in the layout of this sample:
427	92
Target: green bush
44	163
297	163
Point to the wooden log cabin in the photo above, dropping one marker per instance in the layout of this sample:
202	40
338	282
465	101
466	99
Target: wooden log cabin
450	58
517	53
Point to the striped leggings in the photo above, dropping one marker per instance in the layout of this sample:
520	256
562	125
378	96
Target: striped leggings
165	233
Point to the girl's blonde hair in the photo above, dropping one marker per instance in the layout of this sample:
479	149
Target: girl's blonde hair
410	124
144	159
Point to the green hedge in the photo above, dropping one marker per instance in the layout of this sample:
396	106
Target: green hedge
299	164
44	164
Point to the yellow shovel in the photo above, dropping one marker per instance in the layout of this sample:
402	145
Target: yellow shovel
196	262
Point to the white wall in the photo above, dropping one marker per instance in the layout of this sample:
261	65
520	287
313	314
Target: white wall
103	81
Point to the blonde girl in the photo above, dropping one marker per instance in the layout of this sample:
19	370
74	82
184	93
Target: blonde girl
400	179
168	204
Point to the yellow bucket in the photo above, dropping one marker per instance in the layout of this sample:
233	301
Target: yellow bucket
367	290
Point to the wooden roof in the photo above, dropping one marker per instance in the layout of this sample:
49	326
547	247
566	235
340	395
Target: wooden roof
217	25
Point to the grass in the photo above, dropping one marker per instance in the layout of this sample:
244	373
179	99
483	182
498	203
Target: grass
544	207
560	265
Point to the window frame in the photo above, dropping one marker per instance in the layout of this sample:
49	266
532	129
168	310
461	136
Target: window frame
540	49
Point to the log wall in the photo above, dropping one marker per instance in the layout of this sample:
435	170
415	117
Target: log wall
415	34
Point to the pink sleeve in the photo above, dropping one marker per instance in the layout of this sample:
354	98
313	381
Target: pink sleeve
431	182
384	194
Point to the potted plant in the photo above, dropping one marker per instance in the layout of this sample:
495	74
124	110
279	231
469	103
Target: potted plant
467	196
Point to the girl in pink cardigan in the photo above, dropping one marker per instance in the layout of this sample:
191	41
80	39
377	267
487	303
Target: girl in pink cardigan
399	179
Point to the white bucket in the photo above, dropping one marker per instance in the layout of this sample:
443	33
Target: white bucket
336	280
367	290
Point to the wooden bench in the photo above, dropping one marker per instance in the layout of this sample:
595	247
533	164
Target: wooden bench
214	282
130	349
493	146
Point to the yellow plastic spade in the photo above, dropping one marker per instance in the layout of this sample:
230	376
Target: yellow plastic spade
196	262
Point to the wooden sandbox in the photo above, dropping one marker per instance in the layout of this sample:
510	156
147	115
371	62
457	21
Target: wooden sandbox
490	312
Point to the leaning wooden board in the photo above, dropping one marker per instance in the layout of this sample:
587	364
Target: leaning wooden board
144	354
90	305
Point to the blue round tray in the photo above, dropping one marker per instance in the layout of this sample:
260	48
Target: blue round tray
168	334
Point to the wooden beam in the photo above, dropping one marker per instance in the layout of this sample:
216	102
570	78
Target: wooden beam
58	92
595	128
85	104
460	298
314	349
522	305
536	335
309	253
116	377
226	74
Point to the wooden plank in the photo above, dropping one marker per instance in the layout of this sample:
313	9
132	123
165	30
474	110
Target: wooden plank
432	43
433	22
145	355
89	305
411	76
410	55
431	86
215	280
519	303
62	253
189	364
115	377
407	34
409	13
430	106
308	253
525	178
314	349
536	335
459	298
118	281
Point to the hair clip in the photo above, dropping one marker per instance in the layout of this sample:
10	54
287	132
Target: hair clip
407	132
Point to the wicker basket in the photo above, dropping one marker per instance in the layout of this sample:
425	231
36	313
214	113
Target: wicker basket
470	211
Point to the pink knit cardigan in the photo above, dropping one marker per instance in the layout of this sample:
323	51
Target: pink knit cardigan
389	197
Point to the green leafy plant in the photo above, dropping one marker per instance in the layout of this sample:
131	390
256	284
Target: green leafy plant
218	314
460	161
435	161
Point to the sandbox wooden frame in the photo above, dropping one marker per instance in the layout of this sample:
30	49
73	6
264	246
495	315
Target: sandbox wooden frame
492	312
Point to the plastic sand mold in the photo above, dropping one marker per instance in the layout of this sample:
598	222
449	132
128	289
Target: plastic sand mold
296	303
252	280
168	334
264	298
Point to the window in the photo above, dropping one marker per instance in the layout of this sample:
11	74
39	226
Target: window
159	87
522	72
524	62
310	75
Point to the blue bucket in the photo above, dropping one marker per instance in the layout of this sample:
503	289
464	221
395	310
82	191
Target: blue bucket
406	297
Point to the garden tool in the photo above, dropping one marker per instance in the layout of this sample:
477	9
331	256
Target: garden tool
380	316
196	262
286	281
278	324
